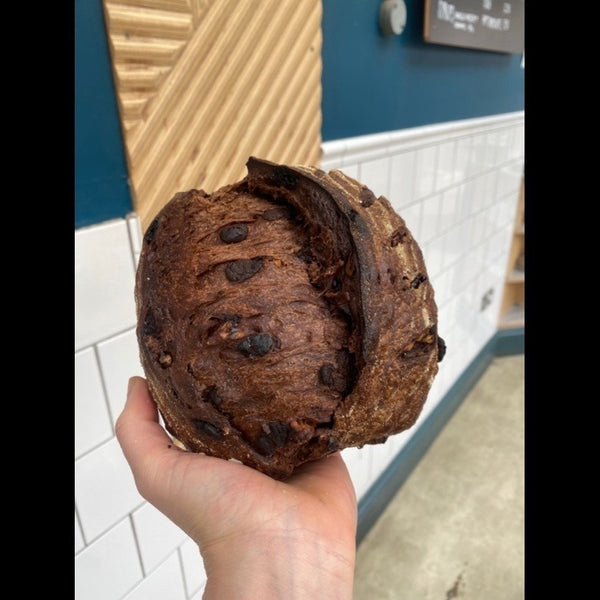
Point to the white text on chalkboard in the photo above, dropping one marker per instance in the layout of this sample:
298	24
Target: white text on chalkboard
459	19
466	21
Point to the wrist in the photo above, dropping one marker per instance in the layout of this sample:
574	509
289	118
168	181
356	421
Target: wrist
295	564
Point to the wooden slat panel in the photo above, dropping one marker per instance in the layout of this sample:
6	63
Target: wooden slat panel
198	7
139	77
132	104
220	116
278	80
140	22
244	79
146	36
193	62
261	138
200	102
175	5
292	124
155	51
129	125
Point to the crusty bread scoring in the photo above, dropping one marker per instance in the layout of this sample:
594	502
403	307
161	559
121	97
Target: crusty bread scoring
285	317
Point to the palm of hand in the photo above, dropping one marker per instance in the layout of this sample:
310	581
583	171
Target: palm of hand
222	503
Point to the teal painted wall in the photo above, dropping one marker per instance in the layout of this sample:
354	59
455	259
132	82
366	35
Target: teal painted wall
101	188
373	83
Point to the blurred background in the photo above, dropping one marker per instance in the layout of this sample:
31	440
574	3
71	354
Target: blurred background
421	100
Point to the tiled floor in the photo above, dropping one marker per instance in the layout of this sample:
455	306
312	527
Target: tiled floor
456	527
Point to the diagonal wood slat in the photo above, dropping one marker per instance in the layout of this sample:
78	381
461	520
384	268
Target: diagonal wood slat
140	21
203	84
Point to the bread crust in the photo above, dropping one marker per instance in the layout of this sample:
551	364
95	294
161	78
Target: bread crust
284	317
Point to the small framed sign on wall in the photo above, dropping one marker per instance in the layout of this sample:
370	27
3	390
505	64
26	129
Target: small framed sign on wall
494	25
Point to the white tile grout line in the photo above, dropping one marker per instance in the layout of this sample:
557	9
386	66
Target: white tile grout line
188	593
106	339
104	389
180	559
85	543
132	245
137	545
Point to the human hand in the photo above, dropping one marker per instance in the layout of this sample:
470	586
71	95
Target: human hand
259	537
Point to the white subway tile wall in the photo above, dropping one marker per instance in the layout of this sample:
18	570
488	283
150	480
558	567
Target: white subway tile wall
157	536
119	360
193	567
92	420
105	491
104	281
166	581
455	184
110	567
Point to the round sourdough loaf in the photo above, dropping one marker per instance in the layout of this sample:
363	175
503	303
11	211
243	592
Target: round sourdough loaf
284	317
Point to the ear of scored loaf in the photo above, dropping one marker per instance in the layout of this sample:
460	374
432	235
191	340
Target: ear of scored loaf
285	317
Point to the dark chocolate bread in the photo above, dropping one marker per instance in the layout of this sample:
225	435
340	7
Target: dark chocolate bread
285	317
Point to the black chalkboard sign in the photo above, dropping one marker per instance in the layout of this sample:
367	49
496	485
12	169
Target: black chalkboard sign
495	25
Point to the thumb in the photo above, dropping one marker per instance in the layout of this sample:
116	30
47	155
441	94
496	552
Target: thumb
146	445
176	482
138	431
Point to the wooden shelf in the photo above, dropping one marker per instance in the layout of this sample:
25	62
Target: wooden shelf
514	317
512	309
516	276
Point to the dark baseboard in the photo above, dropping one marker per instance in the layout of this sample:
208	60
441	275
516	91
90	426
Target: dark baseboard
378	496
509	341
